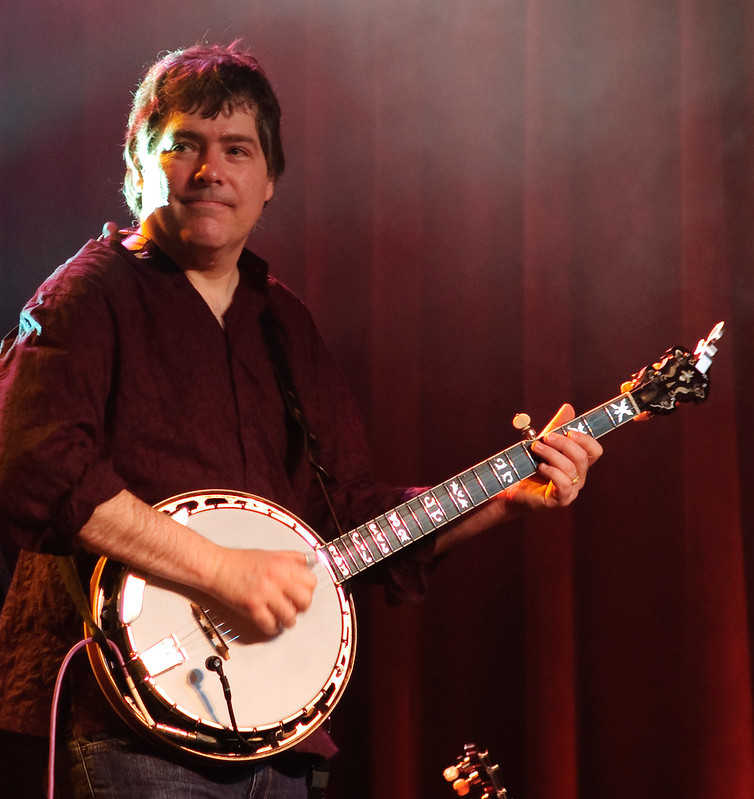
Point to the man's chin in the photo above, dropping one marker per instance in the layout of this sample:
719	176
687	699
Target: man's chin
202	236
204	240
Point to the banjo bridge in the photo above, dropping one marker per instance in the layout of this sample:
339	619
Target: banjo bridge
211	632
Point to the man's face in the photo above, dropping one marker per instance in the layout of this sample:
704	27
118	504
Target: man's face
205	185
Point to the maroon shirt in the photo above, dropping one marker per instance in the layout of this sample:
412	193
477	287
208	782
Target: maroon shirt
121	377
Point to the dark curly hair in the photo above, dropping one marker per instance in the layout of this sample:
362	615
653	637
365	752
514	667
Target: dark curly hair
212	79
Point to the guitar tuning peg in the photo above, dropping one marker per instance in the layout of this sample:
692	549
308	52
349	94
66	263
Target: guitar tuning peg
522	423
461	787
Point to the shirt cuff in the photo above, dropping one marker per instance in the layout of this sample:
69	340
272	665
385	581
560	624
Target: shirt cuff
98	484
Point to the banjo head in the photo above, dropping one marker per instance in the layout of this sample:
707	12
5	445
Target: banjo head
282	688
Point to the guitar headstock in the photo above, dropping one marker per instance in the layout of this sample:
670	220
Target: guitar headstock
680	376
474	769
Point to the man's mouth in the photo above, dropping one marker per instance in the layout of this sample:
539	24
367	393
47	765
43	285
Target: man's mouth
207	202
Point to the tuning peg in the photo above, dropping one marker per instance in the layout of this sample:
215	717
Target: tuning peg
522	423
451	773
460	785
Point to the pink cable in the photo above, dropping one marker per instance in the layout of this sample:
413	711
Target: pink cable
54	710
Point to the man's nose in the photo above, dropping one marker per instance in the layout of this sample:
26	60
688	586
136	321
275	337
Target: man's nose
209	171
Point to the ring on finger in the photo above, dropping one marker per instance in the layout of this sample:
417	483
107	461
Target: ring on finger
575	479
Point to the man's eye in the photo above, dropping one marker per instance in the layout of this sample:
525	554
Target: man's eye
179	147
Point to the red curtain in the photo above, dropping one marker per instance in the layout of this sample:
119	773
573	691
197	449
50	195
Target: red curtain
489	207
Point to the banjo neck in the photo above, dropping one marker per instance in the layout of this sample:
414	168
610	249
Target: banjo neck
431	510
679	377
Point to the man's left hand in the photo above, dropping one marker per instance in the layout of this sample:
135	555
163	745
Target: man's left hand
564	463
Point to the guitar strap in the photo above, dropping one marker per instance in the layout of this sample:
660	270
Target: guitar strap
284	378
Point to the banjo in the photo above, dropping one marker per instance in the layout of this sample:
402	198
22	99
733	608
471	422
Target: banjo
190	675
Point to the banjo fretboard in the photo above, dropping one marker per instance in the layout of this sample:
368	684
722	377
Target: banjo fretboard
383	536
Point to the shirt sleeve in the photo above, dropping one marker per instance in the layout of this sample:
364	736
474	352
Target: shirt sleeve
55	378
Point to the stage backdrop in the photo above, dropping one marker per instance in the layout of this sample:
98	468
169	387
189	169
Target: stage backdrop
490	206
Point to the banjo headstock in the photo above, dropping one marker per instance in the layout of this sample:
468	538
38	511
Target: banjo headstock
680	376
474	769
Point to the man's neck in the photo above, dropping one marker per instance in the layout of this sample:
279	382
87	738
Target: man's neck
214	275
216	289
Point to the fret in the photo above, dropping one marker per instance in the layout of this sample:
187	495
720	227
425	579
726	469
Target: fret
522	461
398	526
484	492
632	398
379	528
474	488
504	470
488	478
338	561
580	425
411	522
421	514
380	540
449	507
459	495
345	545
362	548
600	421
432	508
620	410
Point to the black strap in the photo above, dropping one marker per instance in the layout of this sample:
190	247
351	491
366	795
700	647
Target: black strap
292	403
72	581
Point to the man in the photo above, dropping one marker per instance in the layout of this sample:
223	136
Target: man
140	371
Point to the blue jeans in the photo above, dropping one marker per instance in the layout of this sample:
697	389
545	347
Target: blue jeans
114	768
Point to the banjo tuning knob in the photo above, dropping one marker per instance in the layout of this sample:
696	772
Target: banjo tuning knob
460	785
451	773
522	423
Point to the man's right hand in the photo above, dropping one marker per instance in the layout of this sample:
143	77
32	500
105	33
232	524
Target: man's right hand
269	587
